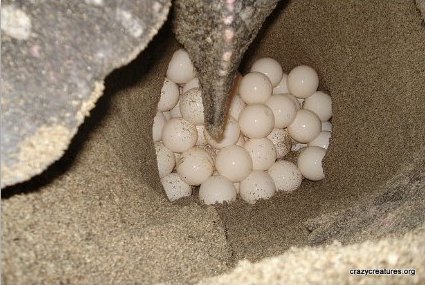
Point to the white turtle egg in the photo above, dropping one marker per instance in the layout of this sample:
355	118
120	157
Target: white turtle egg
255	87
286	175
282	86
256	121
284	110
195	166
310	162
165	159
191	106
180	68
282	142
179	135
305	127
258	185
175	188
217	189
262	152
269	67
167	115
175	112
327	126
321	140
230	135
303	81
236	106
169	96
321	104
201	136
233	162
158	124
194	83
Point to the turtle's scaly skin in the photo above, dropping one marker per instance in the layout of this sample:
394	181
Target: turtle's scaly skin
216	35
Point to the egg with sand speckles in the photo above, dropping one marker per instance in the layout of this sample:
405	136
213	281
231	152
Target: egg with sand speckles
262	152
258	185
175	188
179	135
286	176
195	166
165	159
217	189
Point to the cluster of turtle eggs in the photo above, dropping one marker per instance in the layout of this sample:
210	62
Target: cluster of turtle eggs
271	115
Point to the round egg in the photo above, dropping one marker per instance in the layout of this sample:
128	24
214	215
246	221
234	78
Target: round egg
303	81
191	106
255	87
230	135
269	67
158	124
262	152
305	127
283	108
310	162
217	189
236	106
282	86
281	141
165	159
169	96
256	121
195	166
194	83
175	112
319	103
321	140
327	126
286	176
258	185
233	162
180	68
179	135
175	188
